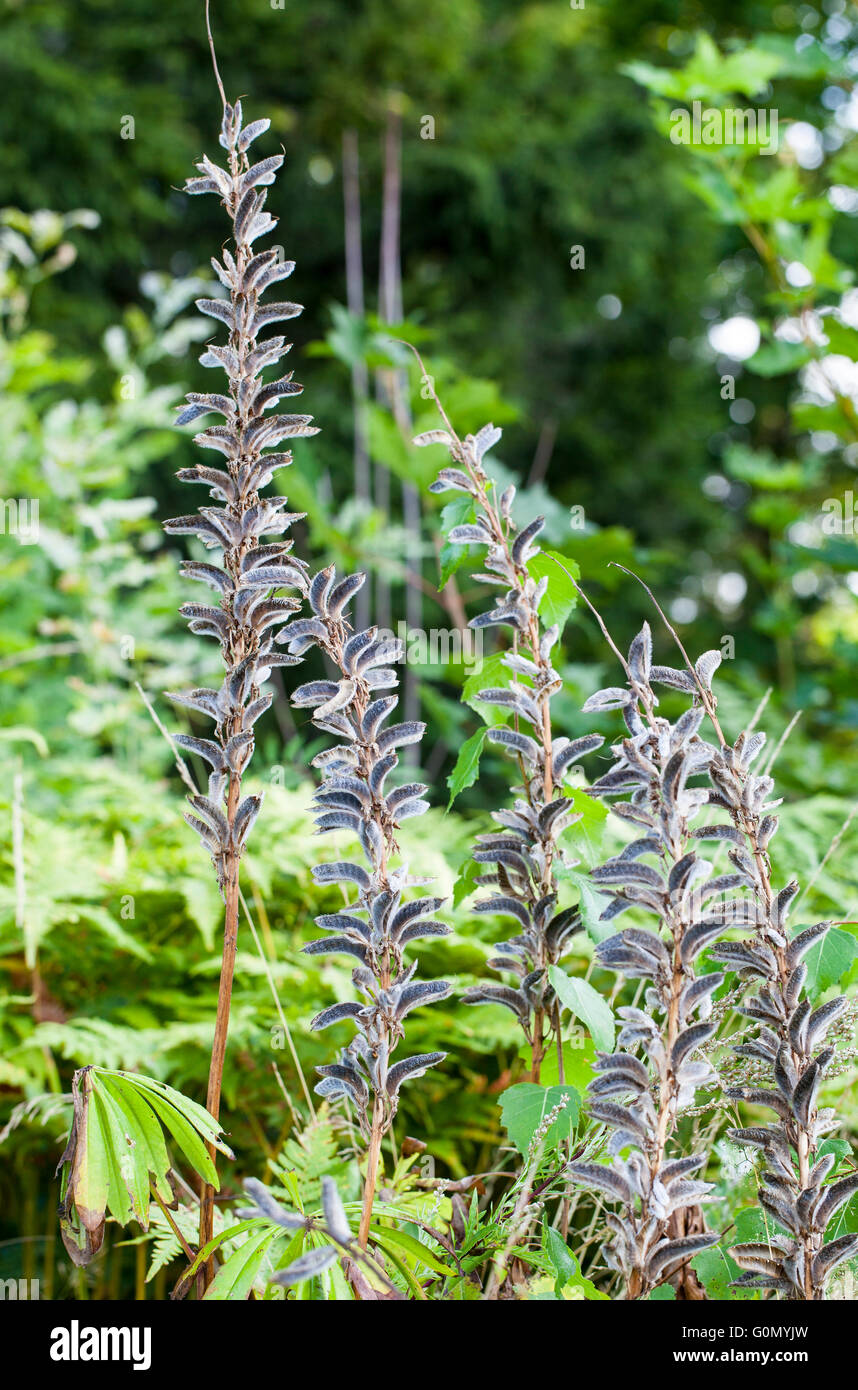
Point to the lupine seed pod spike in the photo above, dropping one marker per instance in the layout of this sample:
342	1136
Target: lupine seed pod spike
377	924
245	526
790	1035
789	1046
522	857
658	1226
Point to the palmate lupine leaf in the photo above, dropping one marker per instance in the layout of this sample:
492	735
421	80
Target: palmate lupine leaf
317	1242
117	1152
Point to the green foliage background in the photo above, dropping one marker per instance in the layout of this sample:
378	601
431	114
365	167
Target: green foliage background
550	132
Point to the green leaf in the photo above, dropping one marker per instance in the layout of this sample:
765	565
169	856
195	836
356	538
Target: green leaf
560	596
384	1235
388	446
588	832
525	1105
239	1272
590	904
148	1135
716	1268
466	883
778	358
89	1178
567	1268
108	1132
193	1112
253	1223
467	767
119	1153
456	512
187	1140
577	1065
490	674
129	1179
841	339
828	960
585	1003
710	74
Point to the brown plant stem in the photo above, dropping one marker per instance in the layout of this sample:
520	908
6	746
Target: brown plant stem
373	1155
168	1217
218	1056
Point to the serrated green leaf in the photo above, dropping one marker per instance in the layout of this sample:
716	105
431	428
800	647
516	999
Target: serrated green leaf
585	1003
560	596
466	882
491	674
525	1105
828	960
467	767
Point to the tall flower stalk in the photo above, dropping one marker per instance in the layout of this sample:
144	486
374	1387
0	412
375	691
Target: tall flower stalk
376	925
523	855
252	568
642	1098
789	1047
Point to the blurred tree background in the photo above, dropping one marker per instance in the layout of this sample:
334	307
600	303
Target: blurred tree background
568	272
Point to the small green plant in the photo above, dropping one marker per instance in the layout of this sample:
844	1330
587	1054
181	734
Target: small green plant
116	1161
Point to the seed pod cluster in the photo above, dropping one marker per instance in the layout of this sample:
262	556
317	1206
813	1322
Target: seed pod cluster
239	524
641	1098
378	924
790	1041
522	855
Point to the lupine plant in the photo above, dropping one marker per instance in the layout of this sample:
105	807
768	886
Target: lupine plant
523	855
376	926
249	612
642	1100
656	763
788	1047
